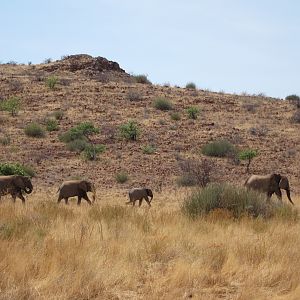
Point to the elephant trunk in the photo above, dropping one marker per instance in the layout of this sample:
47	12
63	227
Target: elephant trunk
288	193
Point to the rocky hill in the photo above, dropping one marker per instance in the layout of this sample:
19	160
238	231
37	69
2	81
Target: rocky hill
99	91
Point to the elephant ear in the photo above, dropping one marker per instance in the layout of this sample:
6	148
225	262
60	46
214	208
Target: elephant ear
83	186
149	192
276	178
18	182
284	183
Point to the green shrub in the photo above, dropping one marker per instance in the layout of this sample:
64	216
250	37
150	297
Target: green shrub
191	85
34	130
163	104
222	196
58	114
16	169
77	145
12	105
148	149
121	177
5	140
193	112
51	82
175	116
218	148
248	155
81	131
130	130
51	125
141	78
91	151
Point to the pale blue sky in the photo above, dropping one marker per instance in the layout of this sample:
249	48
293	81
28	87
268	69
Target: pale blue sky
230	45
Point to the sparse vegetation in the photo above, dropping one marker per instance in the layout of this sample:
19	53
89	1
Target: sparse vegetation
250	107
219	148
195	172
148	149
58	114
193	112
4	140
11	105
51	82
175	116
81	131
191	85
121	177
47	60
52	125
16	169
77	145
78	140
134	95
163	104
261	130
248	155
238	201
91	151
141	78
130	130
34	130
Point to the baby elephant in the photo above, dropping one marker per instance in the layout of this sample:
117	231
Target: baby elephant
77	188
140	194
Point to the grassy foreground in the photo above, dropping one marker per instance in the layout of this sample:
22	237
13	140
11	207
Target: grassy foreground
114	251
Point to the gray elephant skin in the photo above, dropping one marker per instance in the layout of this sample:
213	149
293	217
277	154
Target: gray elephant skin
270	184
15	185
140	194
79	188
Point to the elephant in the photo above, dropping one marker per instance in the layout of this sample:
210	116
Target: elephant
269	184
15	185
140	194
77	188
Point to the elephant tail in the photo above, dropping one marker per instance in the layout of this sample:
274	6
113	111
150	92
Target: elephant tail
245	184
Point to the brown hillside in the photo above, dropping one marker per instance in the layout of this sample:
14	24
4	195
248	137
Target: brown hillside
96	90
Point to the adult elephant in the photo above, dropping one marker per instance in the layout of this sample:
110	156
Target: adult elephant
79	188
140	194
270	184
15	185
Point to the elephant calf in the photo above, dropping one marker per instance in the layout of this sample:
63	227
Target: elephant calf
15	185
77	188
269	184
140	194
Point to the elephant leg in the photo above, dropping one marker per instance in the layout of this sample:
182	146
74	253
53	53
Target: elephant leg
59	199
79	200
148	201
140	202
133	202
66	200
14	196
21	197
279	195
85	197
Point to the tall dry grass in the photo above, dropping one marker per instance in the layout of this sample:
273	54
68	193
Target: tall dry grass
114	251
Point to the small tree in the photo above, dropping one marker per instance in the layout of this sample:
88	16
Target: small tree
248	155
130	130
11	105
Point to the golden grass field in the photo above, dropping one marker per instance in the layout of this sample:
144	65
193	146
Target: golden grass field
114	251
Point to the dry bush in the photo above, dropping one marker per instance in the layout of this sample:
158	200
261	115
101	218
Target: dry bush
261	130
296	117
195	172
250	107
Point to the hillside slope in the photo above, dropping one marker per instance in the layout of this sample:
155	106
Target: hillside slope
96	90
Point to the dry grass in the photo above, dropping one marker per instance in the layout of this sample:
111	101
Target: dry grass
114	251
